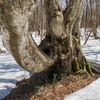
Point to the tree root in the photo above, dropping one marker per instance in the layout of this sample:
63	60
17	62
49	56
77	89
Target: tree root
84	68
81	72
91	69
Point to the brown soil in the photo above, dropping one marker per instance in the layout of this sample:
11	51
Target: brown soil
1	50
36	88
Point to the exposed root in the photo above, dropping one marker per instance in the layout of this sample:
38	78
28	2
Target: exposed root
94	70
88	67
81	72
91	70
84	68
65	58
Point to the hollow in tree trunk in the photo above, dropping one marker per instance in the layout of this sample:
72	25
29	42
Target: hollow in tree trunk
60	50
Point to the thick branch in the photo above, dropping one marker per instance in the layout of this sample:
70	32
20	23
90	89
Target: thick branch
71	12
54	17
16	38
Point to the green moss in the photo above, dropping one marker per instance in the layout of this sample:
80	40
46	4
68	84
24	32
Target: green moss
80	65
75	65
75	41
84	64
65	46
57	15
83	68
70	68
87	66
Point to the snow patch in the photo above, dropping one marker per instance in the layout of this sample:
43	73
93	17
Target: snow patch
11	72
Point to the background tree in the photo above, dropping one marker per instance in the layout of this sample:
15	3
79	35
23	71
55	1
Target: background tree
61	47
90	16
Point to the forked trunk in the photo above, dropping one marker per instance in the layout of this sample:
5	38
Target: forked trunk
61	47
62	42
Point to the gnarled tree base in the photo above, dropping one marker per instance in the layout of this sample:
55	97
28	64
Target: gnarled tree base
85	67
75	62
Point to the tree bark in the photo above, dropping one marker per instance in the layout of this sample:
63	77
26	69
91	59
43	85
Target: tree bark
61	47
16	39
93	18
62	42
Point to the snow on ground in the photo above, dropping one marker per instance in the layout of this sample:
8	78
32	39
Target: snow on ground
11	72
92	48
90	92
92	52
1	45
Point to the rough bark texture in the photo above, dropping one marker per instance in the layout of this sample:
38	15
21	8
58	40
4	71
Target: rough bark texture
61	45
58	42
93	18
14	16
62	42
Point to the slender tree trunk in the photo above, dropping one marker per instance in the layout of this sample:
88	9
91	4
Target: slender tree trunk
93	19
85	22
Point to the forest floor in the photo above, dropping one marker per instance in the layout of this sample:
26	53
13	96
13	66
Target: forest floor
38	88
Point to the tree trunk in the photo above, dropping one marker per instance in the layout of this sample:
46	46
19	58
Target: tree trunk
93	18
85	21
61	47
62	42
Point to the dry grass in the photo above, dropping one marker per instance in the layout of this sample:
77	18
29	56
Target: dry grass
37	87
